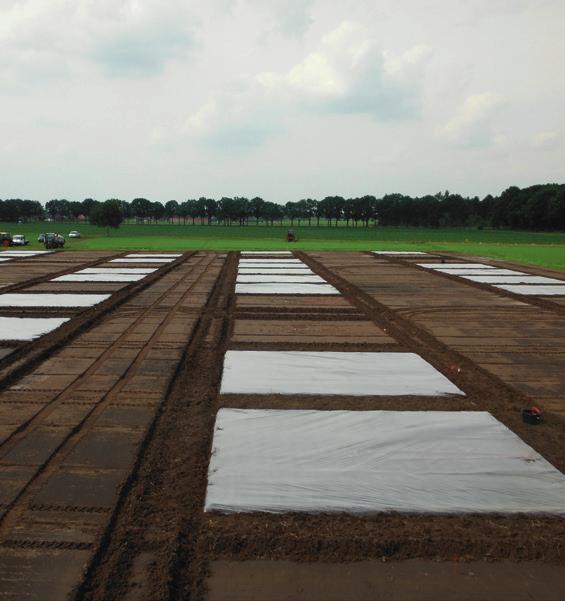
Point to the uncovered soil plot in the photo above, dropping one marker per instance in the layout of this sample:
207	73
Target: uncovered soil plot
108	443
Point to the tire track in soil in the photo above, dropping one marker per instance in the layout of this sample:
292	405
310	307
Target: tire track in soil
27	356
151	551
21	503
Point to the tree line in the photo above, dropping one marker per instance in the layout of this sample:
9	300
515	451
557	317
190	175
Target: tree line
540	207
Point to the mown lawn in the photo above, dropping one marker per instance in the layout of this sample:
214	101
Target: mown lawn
546	249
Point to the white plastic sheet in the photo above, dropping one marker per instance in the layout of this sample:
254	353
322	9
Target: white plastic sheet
297	279
28	328
112	270
24	253
282	288
512	279
275	261
154	255
399	252
5	259
99	277
455	266
128	260
533	290
51	300
480	272
331	373
364	462
271	271
270	265
244	253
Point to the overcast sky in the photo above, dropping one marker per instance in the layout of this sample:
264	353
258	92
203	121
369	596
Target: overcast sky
285	99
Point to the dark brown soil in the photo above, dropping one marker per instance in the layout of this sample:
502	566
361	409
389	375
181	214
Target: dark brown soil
156	542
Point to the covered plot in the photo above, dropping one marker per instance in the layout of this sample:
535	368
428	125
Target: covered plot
275	261
298	279
112	270
28	328
99	277
399	252
285	288
364	462
332	373
455	266
245	253
131	260
481	272
512	279
533	290
271	265
26	252
154	255
27	300
276	270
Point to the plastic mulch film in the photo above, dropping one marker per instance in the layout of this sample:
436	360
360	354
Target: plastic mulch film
364	462
455	266
512	279
275	271
283	278
332	373
51	300
534	290
285	288
28	328
99	277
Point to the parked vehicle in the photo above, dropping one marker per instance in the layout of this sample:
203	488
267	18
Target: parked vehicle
41	238
19	240
54	241
74	234
5	239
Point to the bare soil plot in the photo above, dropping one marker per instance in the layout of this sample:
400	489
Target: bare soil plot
87	415
68	456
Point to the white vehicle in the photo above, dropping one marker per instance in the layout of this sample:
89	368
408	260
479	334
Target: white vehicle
19	240
74	234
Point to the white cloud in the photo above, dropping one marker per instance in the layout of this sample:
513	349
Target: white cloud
126	37
472	123
349	73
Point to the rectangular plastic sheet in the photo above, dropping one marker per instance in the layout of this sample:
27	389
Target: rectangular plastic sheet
275	261
271	271
28	328
99	277
399	252
5	259
112	270
51	300
455	266
331	373
269	265
285	288
480	272
131	260
364	462
296	279
154	255
245	253
512	279
533	290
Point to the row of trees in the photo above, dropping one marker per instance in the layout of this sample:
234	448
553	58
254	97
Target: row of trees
539	207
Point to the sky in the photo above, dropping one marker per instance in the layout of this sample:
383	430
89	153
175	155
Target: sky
283	99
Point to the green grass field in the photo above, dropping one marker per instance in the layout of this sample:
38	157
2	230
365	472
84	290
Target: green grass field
545	249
